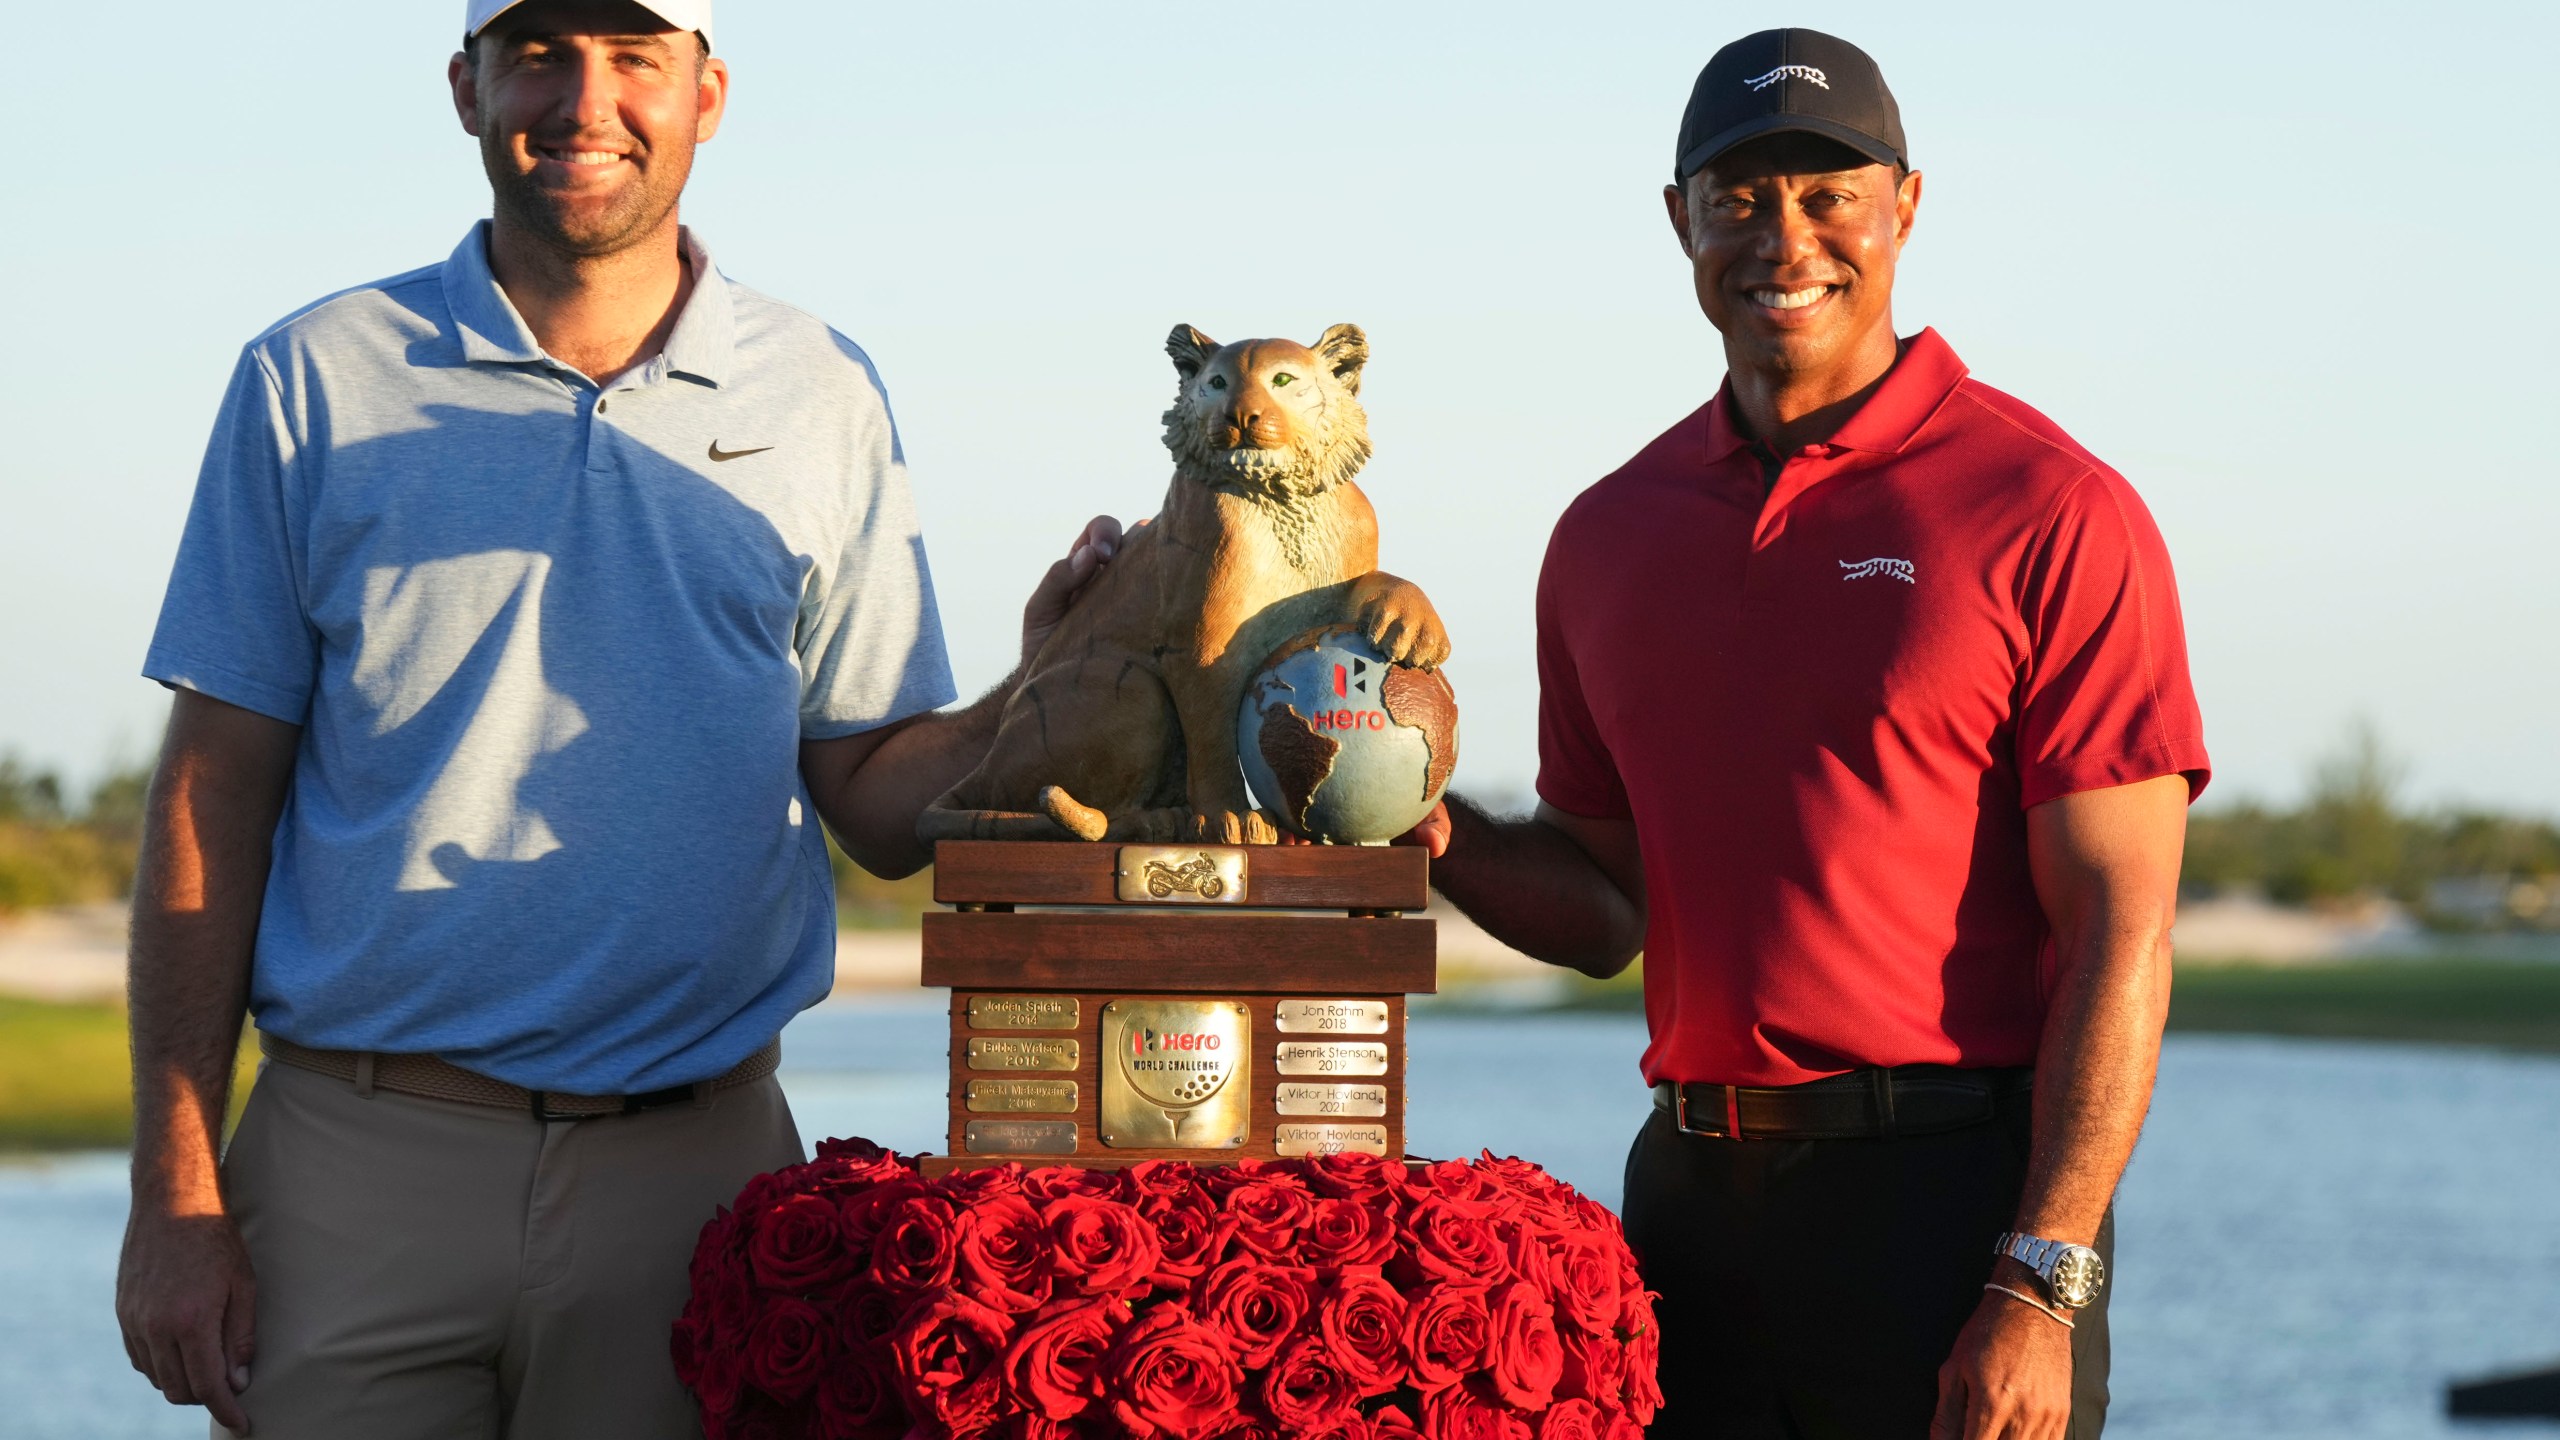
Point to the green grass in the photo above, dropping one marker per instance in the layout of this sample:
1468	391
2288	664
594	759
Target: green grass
2455	1002
65	1076
2450	1002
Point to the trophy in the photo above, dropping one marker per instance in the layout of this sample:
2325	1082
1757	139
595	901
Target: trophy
1138	969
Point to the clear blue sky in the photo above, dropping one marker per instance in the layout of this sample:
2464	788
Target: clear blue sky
2288	267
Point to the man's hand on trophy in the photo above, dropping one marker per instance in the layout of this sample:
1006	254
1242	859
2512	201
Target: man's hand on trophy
1057	591
1399	619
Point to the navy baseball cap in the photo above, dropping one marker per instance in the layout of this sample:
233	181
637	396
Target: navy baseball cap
1780	80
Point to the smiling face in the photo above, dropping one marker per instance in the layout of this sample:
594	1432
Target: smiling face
587	112
1792	240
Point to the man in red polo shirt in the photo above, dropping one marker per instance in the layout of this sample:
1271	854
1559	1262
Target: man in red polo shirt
1865	715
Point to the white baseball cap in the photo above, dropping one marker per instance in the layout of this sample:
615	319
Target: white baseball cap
682	14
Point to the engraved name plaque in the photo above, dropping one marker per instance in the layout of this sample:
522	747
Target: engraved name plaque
1024	1012
1332	1057
1021	1137
1332	1017
1043	1097
1302	1097
1182	874
1330	1139
1176	1074
992	1054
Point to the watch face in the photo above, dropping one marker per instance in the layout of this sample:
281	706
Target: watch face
2077	1276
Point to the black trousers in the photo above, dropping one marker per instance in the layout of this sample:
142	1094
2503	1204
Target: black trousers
1812	1288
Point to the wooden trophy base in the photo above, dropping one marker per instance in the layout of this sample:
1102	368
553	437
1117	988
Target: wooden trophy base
1160	1018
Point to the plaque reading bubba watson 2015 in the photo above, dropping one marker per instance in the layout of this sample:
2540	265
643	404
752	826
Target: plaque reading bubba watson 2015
1176	1074
1021	1137
993	1054
1296	1140
1332	1057
1039	1097
1023	1012
1331	1017
1307	1097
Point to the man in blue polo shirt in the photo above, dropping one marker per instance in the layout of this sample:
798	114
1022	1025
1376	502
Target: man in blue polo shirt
534	609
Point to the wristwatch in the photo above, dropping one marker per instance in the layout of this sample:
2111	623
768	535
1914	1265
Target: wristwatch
2072	1274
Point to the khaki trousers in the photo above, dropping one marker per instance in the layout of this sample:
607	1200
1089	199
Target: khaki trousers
437	1271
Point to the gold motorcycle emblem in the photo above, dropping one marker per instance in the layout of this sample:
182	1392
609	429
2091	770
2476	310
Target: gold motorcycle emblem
1195	876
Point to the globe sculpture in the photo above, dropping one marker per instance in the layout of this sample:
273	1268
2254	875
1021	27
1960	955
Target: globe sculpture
1342	746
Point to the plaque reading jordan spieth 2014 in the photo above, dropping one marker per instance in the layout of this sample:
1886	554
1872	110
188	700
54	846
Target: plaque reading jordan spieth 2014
1295	1140
1333	1057
1021	1137
1331	1017
989	1054
1302	1097
1039	1097
1023	1012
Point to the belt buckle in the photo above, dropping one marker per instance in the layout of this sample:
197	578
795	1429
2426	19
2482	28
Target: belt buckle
543	1112
1732	1112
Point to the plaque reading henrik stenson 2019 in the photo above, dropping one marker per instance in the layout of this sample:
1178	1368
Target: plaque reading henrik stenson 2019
1179	1002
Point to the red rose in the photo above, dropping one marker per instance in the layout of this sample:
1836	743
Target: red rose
1623	1427
798	1245
723	1305
1458	1413
1453	1242
1004	1255
1644	1358
869	1314
1254	1306
850	1163
1582	1275
1455	1181
1191	1235
949	1355
1595	1369
787	1348
1354	1177
1392	1423
964	1188
1158	1179
1573	1420
1099	1247
1347	1232
1031	1425
858	1400
1218	1180
1304	1387
1056	1182
1527	1357
1447	1330
1171	1376
1252	1427
1362	1321
1054	1365
917	1245
1269	1211
718	1376
861	1213
757	1421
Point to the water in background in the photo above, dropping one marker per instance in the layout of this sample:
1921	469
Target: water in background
2313	1239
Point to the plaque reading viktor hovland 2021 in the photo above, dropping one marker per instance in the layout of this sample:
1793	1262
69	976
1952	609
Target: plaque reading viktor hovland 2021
1176	1073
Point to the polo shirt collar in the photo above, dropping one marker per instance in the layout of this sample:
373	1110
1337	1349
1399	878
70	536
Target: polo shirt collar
1921	380
702	344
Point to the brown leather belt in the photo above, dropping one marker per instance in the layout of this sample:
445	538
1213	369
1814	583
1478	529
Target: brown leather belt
429	1078
1872	1104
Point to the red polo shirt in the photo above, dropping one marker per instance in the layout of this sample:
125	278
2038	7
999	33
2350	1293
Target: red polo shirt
1828	702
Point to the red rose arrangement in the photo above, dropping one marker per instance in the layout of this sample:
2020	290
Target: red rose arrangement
1347	1297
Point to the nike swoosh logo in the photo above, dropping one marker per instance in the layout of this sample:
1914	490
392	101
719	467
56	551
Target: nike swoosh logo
719	454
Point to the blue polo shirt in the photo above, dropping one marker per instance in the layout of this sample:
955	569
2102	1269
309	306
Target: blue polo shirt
553	648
